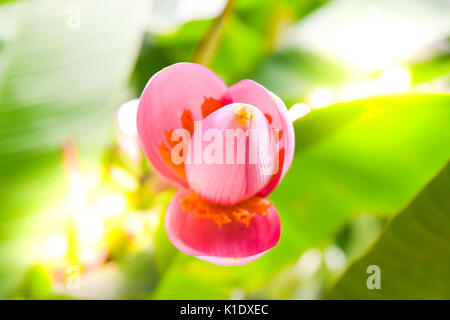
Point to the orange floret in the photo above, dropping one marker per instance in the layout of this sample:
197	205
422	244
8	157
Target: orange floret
172	143
166	151
210	105
242	215
268	117
187	121
242	212
166	154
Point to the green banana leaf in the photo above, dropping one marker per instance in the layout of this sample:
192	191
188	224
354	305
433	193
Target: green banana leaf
366	156
63	69
411	259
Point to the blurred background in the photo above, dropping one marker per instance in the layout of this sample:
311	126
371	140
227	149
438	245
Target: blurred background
81	209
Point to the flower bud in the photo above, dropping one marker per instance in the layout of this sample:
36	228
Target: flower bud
232	155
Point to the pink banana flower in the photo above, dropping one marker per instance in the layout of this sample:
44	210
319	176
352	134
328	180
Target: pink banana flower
220	213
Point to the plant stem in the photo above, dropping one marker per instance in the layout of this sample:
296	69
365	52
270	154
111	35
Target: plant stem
207	47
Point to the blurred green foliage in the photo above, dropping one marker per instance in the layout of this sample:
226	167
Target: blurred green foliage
368	156
249	35
55	83
413	252
292	73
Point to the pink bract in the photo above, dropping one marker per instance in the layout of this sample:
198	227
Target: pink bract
229	183
231	223
231	244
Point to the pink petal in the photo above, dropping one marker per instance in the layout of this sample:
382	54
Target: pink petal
248	91
170	93
229	182
228	262
231	244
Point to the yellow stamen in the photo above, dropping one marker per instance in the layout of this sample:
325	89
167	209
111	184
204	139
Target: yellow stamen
244	114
